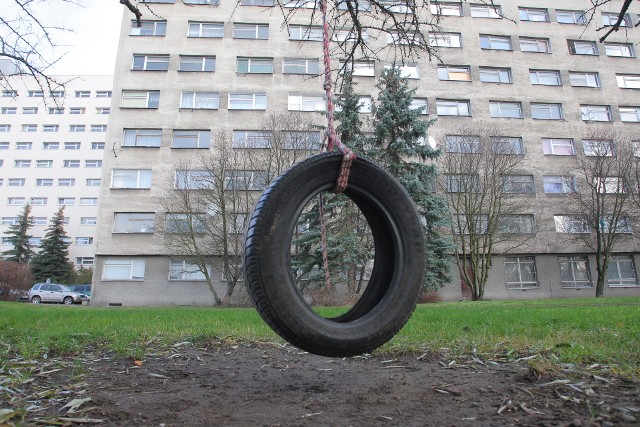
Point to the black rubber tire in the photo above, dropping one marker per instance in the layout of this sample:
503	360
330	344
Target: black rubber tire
392	292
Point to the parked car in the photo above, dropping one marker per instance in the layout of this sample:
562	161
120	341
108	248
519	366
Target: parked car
52	292
81	289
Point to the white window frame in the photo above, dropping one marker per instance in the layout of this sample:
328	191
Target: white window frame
558	147
619	50
305	33
140	99
42	182
301	102
183	270
598	147
545	77
245	180
535	45
148	28
628	81
503	75
457	73
254	65
407	71
572	17
584	79
123	269
147	62
565	184
77	128
532	14
359	68
507	145
460	107
251	139
66	182
197	64
517	224
518	184
134	222
546	111
142	138
309	66
205	29
583	47
614	267
519	262
571	224
506	109
124	179
462	144
575	272
485	11
244	31
446	9
596	113
247	101
193	179
182	223
444	39
629	114
190	138
495	42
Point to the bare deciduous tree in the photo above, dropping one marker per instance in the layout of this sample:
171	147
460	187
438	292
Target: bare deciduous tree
14	276
487	200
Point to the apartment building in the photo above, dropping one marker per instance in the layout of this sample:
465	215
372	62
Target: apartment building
52	142
195	67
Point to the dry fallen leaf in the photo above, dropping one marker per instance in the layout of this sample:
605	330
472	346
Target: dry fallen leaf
137	362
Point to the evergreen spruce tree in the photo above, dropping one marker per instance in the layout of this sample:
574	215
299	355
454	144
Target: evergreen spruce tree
399	145
19	238
52	261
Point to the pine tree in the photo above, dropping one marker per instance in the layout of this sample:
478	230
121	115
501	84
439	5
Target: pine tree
399	145
52	261
19	238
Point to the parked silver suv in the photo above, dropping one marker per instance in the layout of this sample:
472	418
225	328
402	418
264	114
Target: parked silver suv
51	292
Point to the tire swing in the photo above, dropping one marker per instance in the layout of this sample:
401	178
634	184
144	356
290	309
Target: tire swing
391	294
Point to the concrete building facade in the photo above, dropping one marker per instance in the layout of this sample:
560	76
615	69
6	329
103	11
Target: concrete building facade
51	148
533	71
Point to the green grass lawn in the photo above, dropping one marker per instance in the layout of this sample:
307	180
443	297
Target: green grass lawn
582	331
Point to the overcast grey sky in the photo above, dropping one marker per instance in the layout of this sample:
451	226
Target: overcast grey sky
93	44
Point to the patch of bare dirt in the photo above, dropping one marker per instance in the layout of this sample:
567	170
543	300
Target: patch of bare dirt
269	385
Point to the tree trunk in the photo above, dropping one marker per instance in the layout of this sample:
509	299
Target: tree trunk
600	285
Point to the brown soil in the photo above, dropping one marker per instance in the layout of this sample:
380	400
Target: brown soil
270	385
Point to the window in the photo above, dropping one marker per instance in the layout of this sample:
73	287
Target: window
191	139
142	138
197	63
29	128
251	139
98	128
245	180
193	179
445	39
36	94
185	223
558	146
596	113
77	128
123	269
88	220
622	225
630	114
206	29
620	49
66	182
97	145
349	35
42	182
254	65
39	220
35	242
77	110
508	145
518	184
621	271
8	110
520	272
495	75
66	201
83	93
84	261
181	269
462	144
446	9
584	79
300	66
533	14
72	145
93	182
256	2
407	71
44	163
447	107
30	110
495	42
140	99
22	163
301	140
56	94
511	110
16	182
9	220
610	19
9	94
200	100
134	222
485	11
103	94
628	81
131	178
23	145
305	32
298	102
18	201
516	224
558	184
571	224
359	68
103	110
305	4
421	104
546	111
50	145
545	77
598	147
150	63
571	17
609	185
4	145
247	101
364	104
55	110
84	241
583	47
250	31
574	272
5	128
148	28
528	44
93	163
203	2
457	73
463	183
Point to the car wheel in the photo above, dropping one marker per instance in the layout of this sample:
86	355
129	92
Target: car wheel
36	300
67	301
391	294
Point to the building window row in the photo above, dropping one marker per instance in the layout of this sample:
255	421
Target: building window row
43	201
26	163
49	182
51	146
